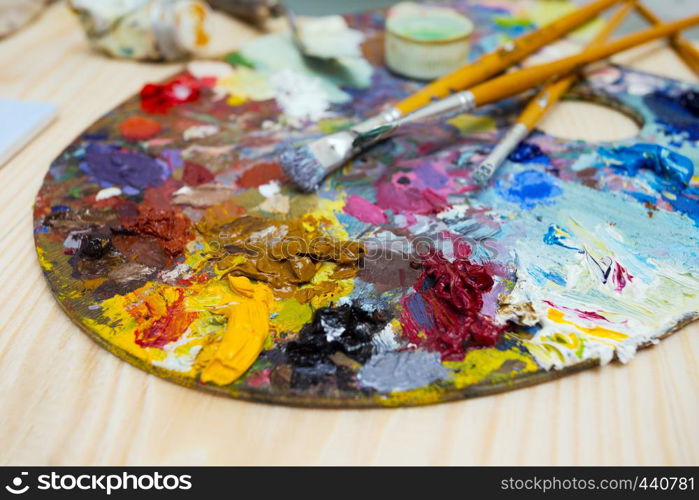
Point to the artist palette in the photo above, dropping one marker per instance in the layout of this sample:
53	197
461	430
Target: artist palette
168	232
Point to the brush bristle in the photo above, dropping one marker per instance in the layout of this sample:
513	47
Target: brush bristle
302	167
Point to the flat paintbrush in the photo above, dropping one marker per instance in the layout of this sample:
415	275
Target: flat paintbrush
307	164
493	90
539	105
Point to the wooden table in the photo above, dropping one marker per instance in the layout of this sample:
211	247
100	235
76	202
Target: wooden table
64	400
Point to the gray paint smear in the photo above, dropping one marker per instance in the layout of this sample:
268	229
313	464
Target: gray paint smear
401	371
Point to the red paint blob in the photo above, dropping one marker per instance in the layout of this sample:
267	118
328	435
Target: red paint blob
195	174
160	97
138	128
161	196
451	301
170	228
260	174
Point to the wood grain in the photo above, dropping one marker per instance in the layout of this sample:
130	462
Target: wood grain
64	400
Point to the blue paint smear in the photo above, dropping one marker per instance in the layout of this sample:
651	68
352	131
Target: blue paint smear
556	235
95	136
678	114
686	205
673	173
672	168
540	275
530	188
418	310
642	197
527	152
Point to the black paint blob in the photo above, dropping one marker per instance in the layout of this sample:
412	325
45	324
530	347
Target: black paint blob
346	330
690	101
95	246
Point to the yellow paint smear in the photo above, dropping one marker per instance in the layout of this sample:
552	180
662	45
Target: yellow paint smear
421	396
473	124
43	261
596	331
247	330
291	316
482	364
245	84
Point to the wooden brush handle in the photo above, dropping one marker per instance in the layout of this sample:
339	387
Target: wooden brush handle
684	48
501	59
550	94
519	81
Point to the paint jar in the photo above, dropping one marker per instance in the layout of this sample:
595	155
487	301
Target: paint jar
148	30
426	42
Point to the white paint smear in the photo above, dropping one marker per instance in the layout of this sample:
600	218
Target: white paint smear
301	97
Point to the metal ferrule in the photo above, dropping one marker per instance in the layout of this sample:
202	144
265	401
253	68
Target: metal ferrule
499	154
441	108
455	103
333	150
387	117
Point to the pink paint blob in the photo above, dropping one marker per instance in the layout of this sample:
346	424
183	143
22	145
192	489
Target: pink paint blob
419	188
261	379
620	277
587	315
362	209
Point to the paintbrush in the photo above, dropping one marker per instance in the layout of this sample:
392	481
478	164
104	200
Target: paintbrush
550	94
308	164
539	105
683	47
496	89
513	83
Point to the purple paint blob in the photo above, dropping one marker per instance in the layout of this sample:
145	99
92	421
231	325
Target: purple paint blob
422	190
173	158
416	306
132	171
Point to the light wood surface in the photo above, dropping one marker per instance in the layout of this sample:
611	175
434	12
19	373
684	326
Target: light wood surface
64	400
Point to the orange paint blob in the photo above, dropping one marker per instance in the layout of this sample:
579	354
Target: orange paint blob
161	317
138	128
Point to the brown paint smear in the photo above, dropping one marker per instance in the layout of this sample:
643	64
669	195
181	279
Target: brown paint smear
286	254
